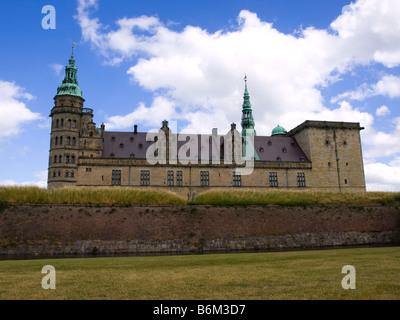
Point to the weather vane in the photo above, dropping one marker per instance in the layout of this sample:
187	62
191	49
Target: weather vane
73	46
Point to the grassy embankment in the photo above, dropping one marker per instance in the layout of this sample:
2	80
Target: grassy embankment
221	197
274	275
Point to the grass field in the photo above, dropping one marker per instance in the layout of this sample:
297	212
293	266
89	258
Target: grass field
220	197
295	275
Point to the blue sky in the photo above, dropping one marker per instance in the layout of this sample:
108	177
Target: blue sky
140	62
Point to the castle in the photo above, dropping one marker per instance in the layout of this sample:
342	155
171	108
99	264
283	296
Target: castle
317	155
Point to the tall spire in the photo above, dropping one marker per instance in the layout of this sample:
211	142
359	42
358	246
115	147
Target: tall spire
247	123
70	85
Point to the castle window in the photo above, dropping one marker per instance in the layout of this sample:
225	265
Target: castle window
57	123
61	140
116	178
56	141
62	122
237	179
66	159
60	159
72	159
69	123
170	178
68	141
72	174
273	179
88	169
66	174
59	173
347	164
329	164
204	178
54	174
145	177
179	178
326	142
55	159
74	124
345	181
345	142
73	141
301	180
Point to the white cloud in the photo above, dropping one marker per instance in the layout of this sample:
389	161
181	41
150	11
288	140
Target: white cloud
41	181
388	86
383	177
382	111
13	110
56	68
160	110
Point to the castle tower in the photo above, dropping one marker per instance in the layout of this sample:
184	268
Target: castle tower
70	122
247	123
335	151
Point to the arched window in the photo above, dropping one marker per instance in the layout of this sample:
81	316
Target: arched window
61	140
62	122
66	159
68	141
72	174
59	159
57	123
66	174
72	159
69	123
55	159
56	141
73	141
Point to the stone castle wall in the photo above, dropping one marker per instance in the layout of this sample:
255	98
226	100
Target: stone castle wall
74	230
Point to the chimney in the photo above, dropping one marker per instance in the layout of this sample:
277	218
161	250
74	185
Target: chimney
135	129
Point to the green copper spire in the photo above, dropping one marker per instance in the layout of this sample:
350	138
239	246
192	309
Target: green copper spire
70	85
247	123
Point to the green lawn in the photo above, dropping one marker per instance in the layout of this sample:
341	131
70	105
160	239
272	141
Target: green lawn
312	274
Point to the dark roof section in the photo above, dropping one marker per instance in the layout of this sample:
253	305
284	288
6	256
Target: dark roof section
134	145
279	148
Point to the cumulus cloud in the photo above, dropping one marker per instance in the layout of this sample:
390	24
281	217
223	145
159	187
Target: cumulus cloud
13	109
382	111
160	110
41	181
388	86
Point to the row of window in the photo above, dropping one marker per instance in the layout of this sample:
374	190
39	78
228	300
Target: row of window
204	178
68	159
69	123
68	174
69	141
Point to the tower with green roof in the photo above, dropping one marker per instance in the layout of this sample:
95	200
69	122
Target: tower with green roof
73	132
248	125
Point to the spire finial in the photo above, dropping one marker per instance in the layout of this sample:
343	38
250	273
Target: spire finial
73	46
